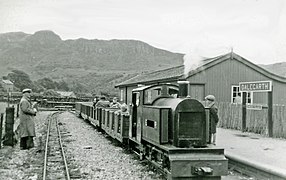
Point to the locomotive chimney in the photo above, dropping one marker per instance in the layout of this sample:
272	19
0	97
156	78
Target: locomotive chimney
183	87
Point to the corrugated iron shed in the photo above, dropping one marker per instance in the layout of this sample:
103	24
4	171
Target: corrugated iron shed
177	72
219	76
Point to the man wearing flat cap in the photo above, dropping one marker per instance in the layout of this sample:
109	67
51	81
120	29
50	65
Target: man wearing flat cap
27	125
210	103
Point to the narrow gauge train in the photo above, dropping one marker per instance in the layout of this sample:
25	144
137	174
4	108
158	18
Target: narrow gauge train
172	133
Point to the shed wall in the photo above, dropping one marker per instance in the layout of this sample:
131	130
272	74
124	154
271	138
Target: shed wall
218	80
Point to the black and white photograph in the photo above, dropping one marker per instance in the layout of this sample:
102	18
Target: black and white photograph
142	89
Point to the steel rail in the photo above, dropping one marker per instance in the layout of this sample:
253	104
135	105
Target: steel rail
63	153
46	149
47	145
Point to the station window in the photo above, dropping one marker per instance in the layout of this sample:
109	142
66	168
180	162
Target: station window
236	96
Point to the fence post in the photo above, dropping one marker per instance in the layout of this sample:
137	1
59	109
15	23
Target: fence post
270	110
9	123
1	126
243	126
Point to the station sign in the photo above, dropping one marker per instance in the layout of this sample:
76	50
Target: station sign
254	106
256	86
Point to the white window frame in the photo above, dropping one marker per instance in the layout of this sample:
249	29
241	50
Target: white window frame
121	94
250	94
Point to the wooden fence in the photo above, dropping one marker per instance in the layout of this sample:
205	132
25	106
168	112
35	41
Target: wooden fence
256	120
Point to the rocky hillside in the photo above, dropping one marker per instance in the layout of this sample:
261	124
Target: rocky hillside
94	64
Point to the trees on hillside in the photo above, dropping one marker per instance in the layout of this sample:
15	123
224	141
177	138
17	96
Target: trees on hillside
1	88
46	83
22	80
103	83
62	85
51	92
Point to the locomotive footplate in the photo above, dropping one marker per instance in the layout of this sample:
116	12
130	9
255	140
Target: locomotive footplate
199	163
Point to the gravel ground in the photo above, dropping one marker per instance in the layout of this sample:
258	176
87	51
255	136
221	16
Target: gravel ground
90	154
97	157
23	164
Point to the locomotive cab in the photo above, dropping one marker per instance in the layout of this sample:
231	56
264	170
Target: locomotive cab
143	97
160	117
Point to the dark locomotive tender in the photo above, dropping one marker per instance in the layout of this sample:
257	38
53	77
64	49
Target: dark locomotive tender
172	133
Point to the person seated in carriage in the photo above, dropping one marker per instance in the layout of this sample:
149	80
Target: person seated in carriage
115	104
102	102
96	99
123	110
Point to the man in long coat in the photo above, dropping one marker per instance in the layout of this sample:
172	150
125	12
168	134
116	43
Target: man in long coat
27	125
210	100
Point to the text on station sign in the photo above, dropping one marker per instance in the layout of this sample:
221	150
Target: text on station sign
254	106
257	86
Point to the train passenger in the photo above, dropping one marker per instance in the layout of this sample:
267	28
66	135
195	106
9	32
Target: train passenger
96	99
123	110
26	128
210	102
115	104
102	102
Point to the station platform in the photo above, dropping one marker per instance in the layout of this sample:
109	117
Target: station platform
262	152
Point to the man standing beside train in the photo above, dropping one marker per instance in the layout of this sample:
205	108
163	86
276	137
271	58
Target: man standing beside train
210	103
27	125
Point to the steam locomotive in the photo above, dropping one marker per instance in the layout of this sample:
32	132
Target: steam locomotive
165	127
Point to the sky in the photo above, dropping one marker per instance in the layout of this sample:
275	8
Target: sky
254	29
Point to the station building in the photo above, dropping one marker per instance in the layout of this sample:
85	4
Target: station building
7	85
219	76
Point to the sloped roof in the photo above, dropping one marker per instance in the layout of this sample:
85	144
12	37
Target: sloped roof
165	74
6	81
214	61
177	72
141	88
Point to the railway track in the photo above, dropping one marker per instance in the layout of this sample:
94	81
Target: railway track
55	164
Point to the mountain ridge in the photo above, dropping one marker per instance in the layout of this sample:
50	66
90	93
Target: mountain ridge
93	63
276	68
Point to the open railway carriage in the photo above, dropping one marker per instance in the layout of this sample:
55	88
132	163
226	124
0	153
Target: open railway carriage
171	132
106	119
